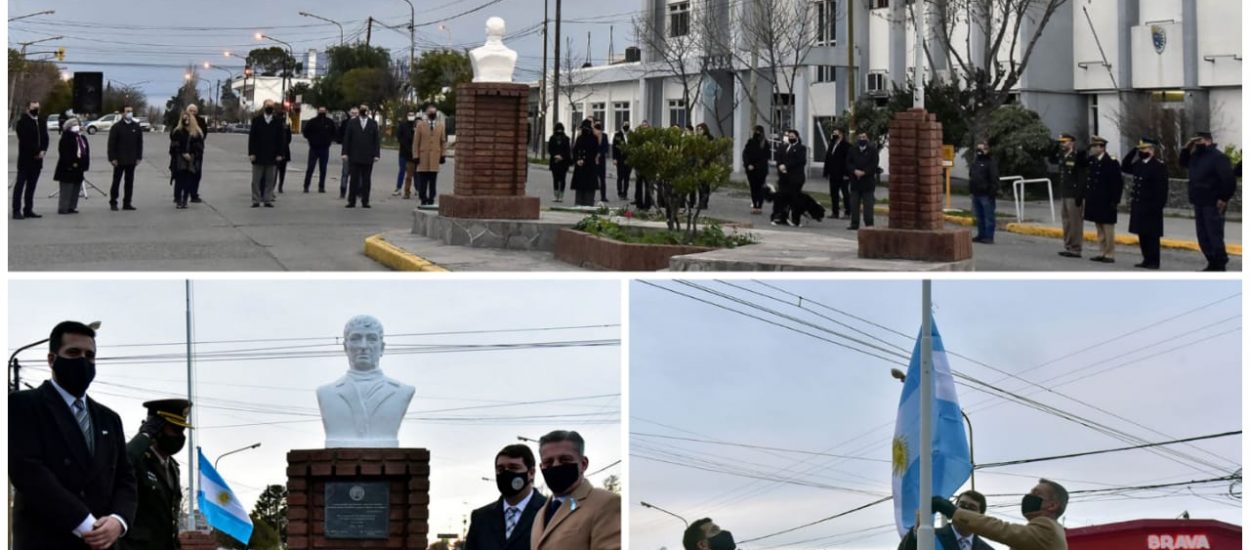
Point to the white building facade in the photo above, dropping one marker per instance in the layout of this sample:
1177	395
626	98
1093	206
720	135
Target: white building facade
1091	54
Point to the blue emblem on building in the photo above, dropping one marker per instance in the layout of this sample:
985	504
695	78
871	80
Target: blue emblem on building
1159	36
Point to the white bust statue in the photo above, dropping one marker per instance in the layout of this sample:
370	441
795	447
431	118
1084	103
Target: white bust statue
364	408
493	62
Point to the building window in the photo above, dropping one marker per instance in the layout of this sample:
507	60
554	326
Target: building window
578	116
878	84
678	19
677	113
826	22
1093	114
822	131
783	110
620	114
875	4
826	73
598	110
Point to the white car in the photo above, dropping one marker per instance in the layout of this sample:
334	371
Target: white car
103	124
54	123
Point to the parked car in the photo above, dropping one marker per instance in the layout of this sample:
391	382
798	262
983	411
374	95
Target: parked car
144	124
103	124
54	123
238	128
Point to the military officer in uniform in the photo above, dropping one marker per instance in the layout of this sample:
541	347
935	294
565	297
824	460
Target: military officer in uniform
151	454
1147	197
1104	189
1072	193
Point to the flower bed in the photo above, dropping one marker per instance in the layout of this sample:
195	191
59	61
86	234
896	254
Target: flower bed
599	243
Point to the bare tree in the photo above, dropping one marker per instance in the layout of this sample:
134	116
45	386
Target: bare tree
676	52
998	41
574	81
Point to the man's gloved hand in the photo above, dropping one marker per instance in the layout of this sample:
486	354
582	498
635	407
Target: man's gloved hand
152	426
944	507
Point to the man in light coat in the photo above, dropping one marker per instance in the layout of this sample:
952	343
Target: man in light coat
429	152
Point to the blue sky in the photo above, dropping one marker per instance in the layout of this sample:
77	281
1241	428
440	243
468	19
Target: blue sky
244	400
150	32
701	372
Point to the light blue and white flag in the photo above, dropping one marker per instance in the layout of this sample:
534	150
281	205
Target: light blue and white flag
221	509
951	463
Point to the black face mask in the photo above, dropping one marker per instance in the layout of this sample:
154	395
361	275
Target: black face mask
169	445
74	375
863	143
364	114
723	540
1146	156
269	110
432	115
321	115
34	112
1030	504
561	478
626	127
511	483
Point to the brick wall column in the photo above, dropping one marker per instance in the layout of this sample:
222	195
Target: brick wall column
492	130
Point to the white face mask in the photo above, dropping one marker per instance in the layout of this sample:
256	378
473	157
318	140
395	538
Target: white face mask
412	118
128	116
74	129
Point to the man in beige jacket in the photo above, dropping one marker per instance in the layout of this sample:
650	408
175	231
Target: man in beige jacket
429	152
577	516
1043	507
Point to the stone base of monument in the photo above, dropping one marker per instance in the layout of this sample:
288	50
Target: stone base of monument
507	234
197	540
358	498
492	129
940	245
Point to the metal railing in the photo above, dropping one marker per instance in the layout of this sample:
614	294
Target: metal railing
1018	184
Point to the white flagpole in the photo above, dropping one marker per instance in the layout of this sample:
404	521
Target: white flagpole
924	529
192	467
921	20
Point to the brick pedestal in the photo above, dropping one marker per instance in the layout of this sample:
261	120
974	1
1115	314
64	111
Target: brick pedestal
491	134
917	229
197	540
406	470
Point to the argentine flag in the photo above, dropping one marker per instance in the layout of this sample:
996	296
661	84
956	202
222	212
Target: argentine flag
221	509
951	464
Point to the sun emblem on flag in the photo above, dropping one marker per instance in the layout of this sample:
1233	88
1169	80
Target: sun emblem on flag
900	455
223	498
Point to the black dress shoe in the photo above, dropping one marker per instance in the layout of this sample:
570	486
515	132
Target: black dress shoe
113	206
1215	268
365	206
1145	265
18	216
196	199
31	215
351	205
256	205
129	207
1067	254
269	205
75	211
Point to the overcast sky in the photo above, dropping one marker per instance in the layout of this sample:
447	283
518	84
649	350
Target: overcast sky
176	35
701	372
237	396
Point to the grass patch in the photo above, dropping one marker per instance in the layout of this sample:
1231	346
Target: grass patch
711	235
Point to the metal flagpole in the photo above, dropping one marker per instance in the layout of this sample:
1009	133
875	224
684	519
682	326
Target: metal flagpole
924	539
921	21
192	467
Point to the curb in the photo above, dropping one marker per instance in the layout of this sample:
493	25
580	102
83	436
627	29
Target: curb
1091	236
397	258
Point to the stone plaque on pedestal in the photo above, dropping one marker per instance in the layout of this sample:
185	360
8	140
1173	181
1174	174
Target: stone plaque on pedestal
492	129
358	498
917	229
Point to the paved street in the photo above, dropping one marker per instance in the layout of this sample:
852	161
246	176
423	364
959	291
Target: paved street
314	232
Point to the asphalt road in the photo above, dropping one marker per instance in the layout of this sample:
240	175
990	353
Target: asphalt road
314	232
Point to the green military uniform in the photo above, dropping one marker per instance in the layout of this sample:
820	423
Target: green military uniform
159	483
1072	192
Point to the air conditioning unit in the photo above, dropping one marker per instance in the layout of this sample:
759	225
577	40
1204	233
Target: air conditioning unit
878	84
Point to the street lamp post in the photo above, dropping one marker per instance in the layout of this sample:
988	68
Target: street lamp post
15	368
290	55
239	450
217	90
13	85
646	504
306	14
902	377
412	39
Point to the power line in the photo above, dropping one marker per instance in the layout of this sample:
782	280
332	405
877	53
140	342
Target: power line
759	447
1105	451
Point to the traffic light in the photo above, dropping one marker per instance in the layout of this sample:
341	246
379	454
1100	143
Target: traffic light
247	72
60	54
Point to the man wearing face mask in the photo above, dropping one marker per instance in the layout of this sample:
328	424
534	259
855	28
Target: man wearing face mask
362	147
792	167
407	168
508	523
151	453
1147	198
352	116
125	151
429	150
983	184
1072	164
835	170
320	133
577	516
73	487
32	146
1211	186
1043	507
862	163
705	535
950	537
265	143
1104	189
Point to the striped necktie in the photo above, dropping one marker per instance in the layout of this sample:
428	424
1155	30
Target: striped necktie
84	423
511	516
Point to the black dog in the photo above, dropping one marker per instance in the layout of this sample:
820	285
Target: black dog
793	206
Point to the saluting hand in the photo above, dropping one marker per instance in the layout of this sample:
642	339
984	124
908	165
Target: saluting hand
104	532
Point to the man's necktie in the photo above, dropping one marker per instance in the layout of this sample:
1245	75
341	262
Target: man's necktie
551	511
511	516
84	424
965	543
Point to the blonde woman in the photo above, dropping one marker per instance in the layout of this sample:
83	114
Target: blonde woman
186	152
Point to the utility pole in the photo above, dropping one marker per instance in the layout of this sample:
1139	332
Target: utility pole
555	99
369	33
924	531
850	64
542	110
192	467
921	22
754	81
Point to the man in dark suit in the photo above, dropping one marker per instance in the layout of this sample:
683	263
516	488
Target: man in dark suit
362	146
320	133
862	164
1147	198
950	537
125	151
506	524
623	169
265	143
151	454
835	170
32	145
73	485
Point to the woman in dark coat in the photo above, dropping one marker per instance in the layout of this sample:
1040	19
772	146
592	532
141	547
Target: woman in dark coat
605	148
1147	197
586	167
186	155
705	191
560	155
755	162
71	165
